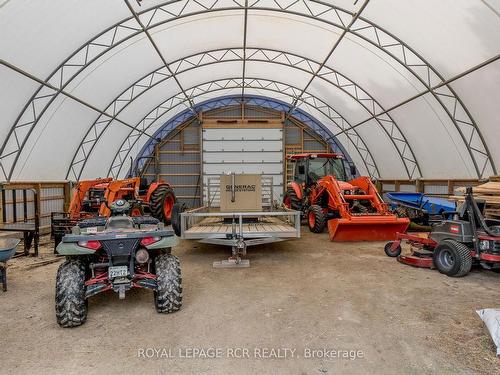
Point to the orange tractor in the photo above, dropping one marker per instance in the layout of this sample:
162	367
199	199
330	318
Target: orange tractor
353	210
87	198
158	198
92	198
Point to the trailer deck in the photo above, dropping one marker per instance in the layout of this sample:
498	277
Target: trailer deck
204	223
239	229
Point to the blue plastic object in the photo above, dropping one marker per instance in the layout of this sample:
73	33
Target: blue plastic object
7	248
432	205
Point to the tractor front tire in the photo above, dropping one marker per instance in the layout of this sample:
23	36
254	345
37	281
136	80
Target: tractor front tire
292	201
71	304
168	297
316	219
161	203
452	258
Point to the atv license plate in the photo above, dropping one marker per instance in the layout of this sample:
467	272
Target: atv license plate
118	271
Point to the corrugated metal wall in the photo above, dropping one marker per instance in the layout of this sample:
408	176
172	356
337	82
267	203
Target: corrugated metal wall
256	150
178	162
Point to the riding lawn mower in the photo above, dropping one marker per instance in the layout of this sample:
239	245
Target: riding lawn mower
454	245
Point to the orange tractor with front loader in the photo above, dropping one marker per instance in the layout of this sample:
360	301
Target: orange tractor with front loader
353	210
92	198
157	198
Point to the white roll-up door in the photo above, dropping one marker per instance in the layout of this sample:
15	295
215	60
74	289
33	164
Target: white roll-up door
244	150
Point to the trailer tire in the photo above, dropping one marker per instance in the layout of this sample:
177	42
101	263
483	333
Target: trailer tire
168	297
291	198
316	219
176	217
71	304
452	258
161	203
392	253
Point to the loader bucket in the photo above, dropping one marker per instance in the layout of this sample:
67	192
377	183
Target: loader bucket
367	228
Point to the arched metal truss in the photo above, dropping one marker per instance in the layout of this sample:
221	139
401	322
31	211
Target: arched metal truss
314	9
183	65
236	83
226	101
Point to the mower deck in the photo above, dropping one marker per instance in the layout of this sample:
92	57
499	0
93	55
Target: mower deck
421	250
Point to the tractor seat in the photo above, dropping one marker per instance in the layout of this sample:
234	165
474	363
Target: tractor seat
120	222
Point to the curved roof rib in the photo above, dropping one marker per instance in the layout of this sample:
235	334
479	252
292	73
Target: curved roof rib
142	85
350	24
150	120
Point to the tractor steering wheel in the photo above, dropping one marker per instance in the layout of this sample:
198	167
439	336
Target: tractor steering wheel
313	176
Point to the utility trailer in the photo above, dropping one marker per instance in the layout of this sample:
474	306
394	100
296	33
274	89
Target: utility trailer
245	214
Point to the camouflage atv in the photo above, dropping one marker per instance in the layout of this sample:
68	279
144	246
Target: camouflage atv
116	253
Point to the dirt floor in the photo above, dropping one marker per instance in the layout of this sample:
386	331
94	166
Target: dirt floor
297	296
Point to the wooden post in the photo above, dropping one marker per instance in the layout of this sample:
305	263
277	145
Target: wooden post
419	186
38	188
451	185
67	195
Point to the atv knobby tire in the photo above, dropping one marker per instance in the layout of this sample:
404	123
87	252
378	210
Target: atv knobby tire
71	304
176	217
316	219
452	258
295	201
159	197
168	297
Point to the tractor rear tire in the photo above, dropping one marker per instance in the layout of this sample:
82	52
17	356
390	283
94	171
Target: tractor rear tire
71	304
452	258
392	253
160	198
176	217
168	297
295	201
316	219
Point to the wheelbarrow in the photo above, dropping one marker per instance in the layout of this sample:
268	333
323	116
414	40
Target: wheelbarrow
7	250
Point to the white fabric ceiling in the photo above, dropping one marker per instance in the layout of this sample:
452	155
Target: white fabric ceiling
415	82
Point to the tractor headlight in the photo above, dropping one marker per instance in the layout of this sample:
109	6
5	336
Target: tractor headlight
484	245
